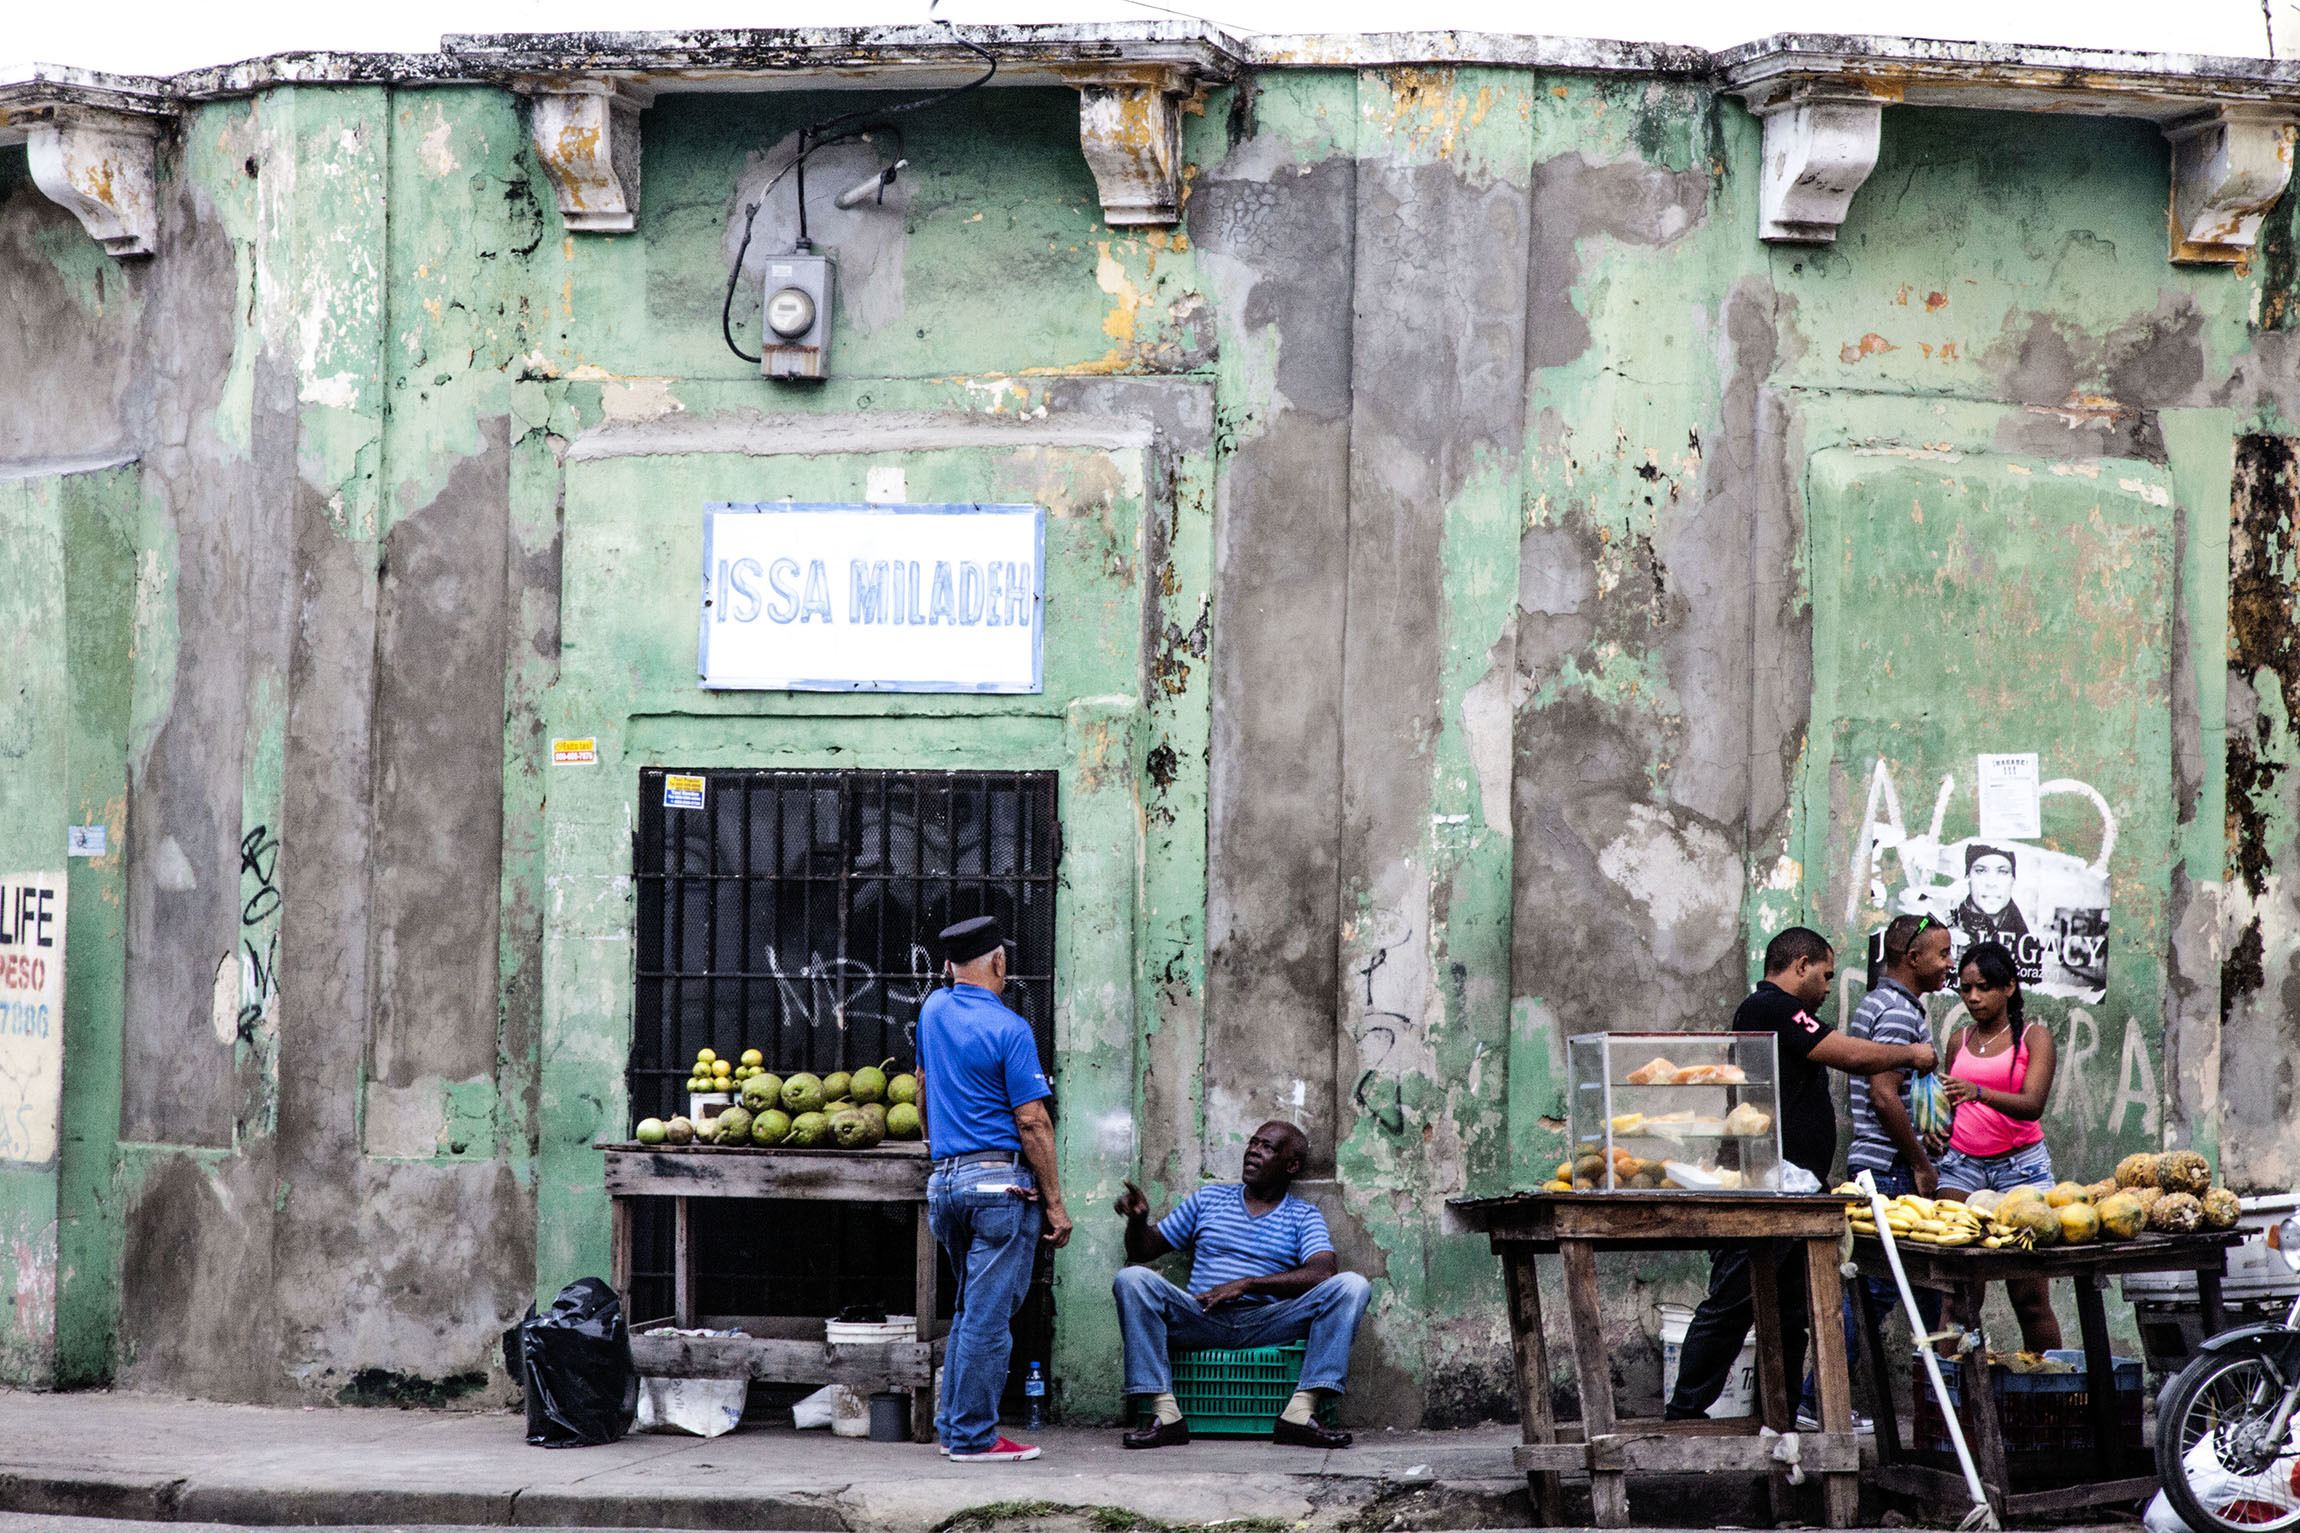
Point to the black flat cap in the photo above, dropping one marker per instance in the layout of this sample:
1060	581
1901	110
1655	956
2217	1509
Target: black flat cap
970	939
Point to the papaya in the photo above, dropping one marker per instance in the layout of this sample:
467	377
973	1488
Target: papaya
2121	1216
2079	1224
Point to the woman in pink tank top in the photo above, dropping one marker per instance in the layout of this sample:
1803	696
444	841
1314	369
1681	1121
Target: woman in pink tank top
1999	1077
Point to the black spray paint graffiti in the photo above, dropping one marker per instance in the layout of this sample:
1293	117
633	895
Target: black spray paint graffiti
259	949
1378	1093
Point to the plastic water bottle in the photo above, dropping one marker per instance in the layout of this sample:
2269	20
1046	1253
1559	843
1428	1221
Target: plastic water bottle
1034	1392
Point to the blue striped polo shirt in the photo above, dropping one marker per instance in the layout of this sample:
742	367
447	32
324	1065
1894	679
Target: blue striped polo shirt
1228	1243
1889	1014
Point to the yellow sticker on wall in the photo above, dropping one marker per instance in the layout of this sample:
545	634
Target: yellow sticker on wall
583	752
682	792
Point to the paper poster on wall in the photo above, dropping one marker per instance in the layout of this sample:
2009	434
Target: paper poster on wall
873	598
2008	793
2048	906
31	1014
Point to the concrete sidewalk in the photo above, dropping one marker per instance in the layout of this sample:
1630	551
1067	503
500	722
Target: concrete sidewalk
159	1458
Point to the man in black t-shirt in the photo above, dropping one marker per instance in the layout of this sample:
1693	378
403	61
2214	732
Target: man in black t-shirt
1799	968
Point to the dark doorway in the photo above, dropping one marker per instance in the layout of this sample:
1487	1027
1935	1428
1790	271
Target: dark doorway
794	912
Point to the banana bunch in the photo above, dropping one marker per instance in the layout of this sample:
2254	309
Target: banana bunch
1934	1222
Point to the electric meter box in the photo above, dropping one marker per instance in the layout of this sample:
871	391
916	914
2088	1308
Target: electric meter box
795	317
1672	1112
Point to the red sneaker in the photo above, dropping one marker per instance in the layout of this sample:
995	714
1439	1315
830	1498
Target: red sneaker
1003	1451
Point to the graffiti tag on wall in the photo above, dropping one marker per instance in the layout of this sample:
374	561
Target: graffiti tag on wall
2001	884
31	1014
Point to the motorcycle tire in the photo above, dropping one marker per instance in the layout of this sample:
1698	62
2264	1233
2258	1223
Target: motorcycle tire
2216	1392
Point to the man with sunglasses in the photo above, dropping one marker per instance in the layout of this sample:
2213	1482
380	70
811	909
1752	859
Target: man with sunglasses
1885	1140
1800	966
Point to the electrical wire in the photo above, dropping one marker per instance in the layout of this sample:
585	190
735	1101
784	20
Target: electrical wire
816	137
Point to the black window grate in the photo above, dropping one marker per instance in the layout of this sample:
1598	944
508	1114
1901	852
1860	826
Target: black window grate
795	913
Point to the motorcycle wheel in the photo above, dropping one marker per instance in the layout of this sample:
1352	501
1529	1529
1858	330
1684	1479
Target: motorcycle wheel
2216	1397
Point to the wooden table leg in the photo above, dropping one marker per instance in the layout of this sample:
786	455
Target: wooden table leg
1772	1384
1608	1488
1537	1420
1988	1442
682	1262
2213	1313
929	1271
619	1251
2099	1377
1881	1408
1825	1303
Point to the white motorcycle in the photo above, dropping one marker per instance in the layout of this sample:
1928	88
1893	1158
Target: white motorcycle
2227	1448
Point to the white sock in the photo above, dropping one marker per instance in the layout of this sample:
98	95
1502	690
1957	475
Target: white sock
1166	1409
1299	1409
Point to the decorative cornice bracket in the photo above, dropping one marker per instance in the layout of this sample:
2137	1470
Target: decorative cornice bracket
102	167
2229	165
586	134
1820	145
1130	127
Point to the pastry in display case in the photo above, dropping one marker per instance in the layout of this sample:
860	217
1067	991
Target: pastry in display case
1671	1112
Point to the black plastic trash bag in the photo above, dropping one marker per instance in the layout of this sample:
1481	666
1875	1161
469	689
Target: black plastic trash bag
574	1363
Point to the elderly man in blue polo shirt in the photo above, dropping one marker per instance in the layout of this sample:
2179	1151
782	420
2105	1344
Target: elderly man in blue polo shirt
992	1195
1262	1272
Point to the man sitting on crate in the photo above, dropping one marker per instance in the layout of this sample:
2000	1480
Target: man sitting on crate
1262	1272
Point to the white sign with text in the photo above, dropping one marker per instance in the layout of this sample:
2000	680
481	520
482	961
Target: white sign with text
31	1014
873	598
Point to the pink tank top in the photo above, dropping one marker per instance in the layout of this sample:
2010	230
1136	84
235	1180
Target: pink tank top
1983	1131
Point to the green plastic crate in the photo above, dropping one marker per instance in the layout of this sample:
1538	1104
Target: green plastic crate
1239	1393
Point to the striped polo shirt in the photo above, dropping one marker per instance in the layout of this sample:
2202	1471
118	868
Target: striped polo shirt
1888	1014
1227	1243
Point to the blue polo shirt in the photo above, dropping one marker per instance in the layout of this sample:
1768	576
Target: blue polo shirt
980	1063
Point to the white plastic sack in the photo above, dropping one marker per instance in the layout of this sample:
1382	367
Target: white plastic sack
815	1410
699	1407
2274	1488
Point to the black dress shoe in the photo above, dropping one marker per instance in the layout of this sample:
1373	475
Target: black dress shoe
1157	1434
1308	1434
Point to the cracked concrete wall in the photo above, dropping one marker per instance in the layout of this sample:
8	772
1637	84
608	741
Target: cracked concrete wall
1489	577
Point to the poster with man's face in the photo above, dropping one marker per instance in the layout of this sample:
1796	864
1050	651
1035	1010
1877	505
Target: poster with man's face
2048	907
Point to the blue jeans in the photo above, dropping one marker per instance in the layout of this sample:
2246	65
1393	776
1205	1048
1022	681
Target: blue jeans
992	1237
1884	1296
1154	1317
2028	1166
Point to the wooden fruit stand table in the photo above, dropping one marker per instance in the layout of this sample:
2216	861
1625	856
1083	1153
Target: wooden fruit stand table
783	1349
1576	1226
1965	1271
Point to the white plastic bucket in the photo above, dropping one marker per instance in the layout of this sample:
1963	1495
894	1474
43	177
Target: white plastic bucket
1739	1397
850	1409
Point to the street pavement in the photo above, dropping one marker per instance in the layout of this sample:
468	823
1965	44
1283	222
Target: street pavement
146	1457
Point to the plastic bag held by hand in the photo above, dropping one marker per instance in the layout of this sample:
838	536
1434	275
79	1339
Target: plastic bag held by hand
574	1363
1929	1111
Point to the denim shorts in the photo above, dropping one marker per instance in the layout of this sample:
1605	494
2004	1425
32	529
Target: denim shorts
2028	1166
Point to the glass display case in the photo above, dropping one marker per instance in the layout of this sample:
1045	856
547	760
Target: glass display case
1672	1112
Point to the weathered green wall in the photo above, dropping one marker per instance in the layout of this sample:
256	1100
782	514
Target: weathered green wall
1485	581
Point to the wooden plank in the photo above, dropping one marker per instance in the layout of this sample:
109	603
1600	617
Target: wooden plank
928	1255
619	1249
1593	1366
1833	1454
853	1176
1880	1379
1825	1303
1988	1444
1772	1385
2041	1503
1922	1483
682	1262
1689	1219
2210	1310
874	1365
1946	1266
2099	1380
1529	1350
